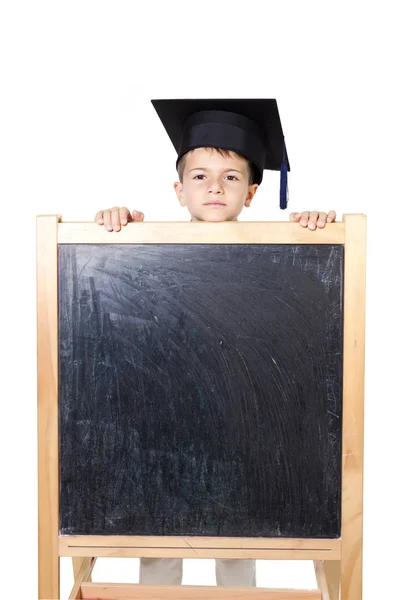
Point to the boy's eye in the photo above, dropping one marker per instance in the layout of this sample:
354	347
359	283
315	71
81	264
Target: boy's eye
232	176
198	176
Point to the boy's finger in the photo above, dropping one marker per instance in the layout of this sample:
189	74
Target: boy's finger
295	216
99	217
116	224
124	215
304	218
107	219
312	221
137	215
321	219
331	216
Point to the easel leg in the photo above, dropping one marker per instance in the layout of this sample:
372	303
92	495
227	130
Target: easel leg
327	573
83	574
49	577
332	576
77	562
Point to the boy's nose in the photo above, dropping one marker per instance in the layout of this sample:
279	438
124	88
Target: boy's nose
215	188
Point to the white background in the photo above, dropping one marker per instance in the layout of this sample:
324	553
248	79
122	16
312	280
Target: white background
78	133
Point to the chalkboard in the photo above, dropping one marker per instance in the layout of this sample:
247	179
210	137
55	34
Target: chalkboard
200	389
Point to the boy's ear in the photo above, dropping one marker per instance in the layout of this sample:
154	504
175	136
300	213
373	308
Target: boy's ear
250	194
179	193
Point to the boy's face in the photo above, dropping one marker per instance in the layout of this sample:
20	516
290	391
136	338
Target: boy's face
214	187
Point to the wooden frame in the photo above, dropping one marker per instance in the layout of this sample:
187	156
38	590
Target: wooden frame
337	562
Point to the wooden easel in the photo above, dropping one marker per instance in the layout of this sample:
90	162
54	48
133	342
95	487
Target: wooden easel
337	562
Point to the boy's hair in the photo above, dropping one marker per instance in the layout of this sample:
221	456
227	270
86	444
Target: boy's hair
180	167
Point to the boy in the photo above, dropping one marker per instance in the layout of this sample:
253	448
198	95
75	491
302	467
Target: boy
223	147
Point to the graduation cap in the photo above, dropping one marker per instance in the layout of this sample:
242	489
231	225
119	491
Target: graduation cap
249	127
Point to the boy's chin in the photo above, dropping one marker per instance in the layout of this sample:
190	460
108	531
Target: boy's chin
214	216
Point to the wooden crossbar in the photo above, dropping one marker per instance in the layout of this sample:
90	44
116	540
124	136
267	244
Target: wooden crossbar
127	591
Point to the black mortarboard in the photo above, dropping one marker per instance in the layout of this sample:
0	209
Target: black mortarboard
249	127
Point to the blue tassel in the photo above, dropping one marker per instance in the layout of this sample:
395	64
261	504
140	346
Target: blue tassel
283	193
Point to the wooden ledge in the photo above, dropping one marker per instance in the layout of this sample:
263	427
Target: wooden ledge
128	591
200	547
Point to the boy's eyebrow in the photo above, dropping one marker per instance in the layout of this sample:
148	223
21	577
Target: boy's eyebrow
207	169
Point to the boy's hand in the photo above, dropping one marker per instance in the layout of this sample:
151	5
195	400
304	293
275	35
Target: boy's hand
113	218
313	219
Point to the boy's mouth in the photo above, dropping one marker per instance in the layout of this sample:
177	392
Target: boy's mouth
214	204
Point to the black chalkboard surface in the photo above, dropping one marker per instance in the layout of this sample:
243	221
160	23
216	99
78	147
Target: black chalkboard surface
200	389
